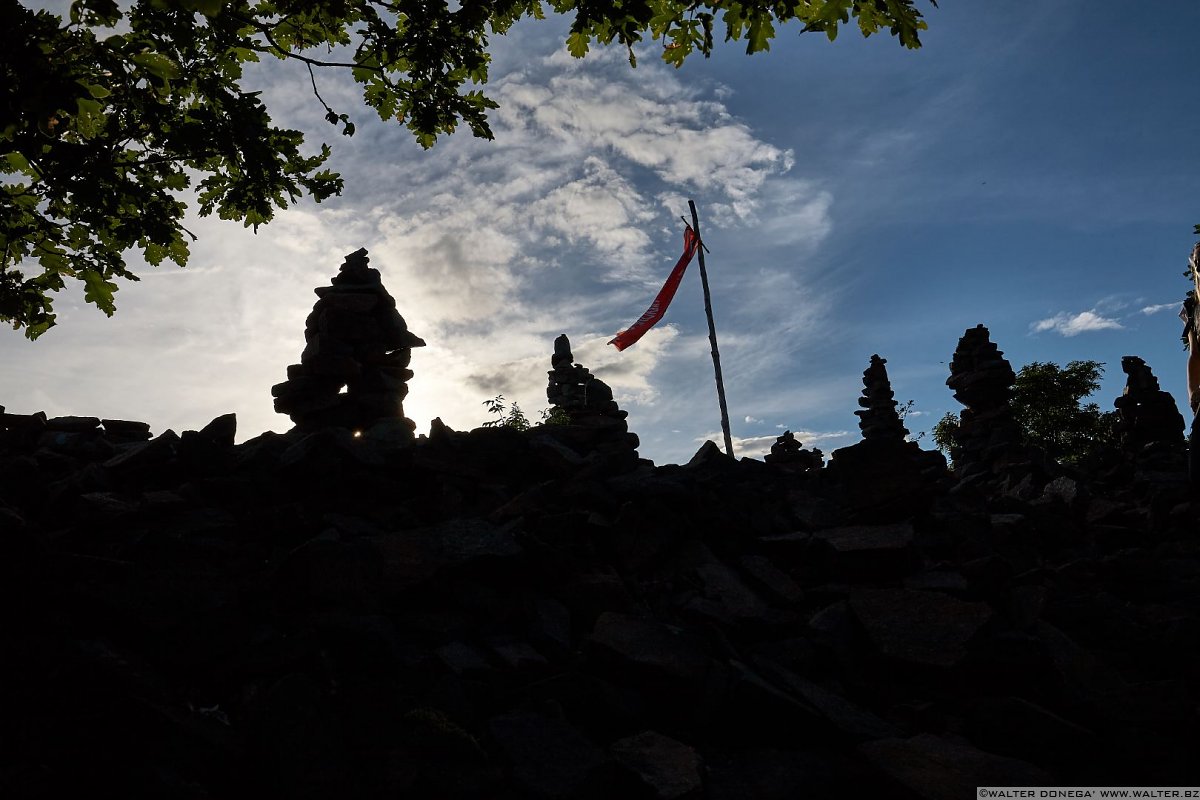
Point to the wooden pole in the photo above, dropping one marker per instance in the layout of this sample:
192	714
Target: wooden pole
712	333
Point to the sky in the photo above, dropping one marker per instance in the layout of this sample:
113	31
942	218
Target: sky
1032	167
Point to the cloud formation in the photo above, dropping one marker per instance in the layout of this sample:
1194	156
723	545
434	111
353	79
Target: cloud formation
565	223
1158	307
1067	324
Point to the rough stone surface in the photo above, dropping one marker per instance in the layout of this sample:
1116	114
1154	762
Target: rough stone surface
919	627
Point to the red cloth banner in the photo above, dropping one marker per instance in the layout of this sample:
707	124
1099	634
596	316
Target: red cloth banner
659	307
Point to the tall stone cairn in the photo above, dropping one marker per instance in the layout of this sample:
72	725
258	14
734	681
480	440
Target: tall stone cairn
884	477
878	418
983	380
1148	420
574	389
354	371
596	426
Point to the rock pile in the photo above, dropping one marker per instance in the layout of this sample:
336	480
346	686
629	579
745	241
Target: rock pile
1148	420
595	425
458	617
790	454
527	614
884	477
988	438
354	371
877	418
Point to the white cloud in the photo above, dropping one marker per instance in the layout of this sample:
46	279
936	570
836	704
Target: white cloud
1075	324
566	222
1154	309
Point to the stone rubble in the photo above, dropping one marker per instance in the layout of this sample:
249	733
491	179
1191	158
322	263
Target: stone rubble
506	614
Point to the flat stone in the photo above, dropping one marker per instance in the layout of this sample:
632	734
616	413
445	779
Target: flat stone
668	768
551	759
723	595
106	505
868	537
937	768
773	580
651	648
127	429
155	452
73	424
463	659
415	555
845	716
918	627
517	655
1015	727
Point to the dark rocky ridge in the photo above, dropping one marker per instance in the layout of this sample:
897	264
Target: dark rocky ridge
541	614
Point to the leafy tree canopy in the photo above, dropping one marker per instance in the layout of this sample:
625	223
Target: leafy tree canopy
1047	403
110	116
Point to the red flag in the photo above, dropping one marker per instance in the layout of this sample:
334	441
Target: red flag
659	307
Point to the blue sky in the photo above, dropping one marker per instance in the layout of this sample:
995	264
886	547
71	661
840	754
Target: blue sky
1032	168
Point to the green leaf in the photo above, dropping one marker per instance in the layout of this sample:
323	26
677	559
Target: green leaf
577	44
89	107
99	291
18	163
157	64
95	90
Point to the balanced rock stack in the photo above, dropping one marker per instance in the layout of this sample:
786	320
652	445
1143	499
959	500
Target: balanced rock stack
1148	421
354	371
884	477
595	423
878	418
982	380
790	454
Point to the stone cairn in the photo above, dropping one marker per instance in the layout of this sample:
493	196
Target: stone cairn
353	372
1148	420
594	421
884	477
878	418
982	380
789	454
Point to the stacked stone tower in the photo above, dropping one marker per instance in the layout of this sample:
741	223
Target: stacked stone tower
354	370
878	418
595	426
884	477
982	380
1148	421
575	390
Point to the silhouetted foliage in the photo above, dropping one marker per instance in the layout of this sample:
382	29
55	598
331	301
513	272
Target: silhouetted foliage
1047	404
506	417
101	131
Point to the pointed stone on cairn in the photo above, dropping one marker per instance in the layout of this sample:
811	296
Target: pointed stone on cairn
878	418
595	424
884	477
982	380
790	454
1148	420
354	371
